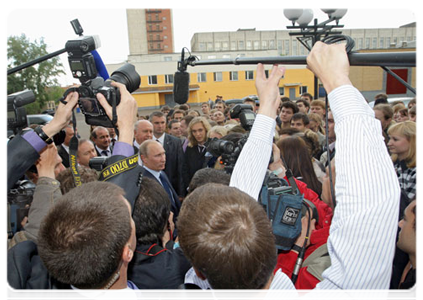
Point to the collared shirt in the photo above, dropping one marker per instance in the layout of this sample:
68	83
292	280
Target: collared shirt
126	293
160	139
362	237
109	153
156	174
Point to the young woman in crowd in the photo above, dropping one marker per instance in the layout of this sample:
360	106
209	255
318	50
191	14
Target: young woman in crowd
402	146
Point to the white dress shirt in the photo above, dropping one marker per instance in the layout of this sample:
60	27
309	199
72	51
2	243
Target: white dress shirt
362	235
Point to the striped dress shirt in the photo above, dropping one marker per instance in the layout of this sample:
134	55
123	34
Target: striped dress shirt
362	235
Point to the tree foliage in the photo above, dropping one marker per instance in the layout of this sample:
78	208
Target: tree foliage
38	78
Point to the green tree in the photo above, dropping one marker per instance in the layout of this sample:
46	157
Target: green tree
37	78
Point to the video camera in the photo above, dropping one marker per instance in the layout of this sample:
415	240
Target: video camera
83	66
16	112
245	114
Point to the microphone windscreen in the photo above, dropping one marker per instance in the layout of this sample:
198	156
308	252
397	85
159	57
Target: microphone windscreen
101	68
181	87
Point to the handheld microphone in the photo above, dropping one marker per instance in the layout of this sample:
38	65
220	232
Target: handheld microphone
101	68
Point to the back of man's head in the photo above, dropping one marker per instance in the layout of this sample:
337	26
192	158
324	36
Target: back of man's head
227	237
66	178
151	212
208	175
82	237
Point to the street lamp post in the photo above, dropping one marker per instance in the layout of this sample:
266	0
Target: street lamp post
308	35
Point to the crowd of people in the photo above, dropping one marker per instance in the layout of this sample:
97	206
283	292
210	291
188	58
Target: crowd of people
164	213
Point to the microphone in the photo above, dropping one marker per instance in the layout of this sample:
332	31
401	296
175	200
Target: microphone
101	68
181	87
181	81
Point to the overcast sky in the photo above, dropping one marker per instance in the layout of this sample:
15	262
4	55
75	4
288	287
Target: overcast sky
111	26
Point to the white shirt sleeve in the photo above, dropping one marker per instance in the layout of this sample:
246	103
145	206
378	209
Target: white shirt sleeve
251	166
363	230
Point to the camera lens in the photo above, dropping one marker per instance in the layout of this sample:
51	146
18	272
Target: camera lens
218	147
128	76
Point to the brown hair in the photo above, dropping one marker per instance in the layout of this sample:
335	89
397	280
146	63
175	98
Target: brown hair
66	178
82	237
227	237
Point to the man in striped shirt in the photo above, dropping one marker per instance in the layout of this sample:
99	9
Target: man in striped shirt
362	235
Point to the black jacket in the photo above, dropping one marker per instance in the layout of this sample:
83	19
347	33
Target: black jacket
175	164
159	268
25	269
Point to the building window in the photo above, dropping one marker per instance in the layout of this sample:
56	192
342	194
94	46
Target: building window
169	78
201	77
286	47
152	79
382	42
211	57
202	46
303	89
256	45
217	76
388	42
225	46
168	58
264	45
210	46
249	75
374	43
233	76
157	27
217	46
249	45
241	45
282	91
226	56
367	43
233	45
272	44
360	43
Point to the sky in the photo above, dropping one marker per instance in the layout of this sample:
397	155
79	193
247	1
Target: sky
110	24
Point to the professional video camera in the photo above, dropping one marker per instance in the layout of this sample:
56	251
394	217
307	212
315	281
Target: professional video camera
245	114
16	112
19	199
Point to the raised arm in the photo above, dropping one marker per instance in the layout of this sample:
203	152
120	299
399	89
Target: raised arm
362	235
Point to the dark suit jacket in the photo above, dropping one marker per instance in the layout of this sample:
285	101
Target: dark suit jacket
176	206
175	164
64	155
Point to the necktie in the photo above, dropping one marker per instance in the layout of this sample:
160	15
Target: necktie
166	186
105	153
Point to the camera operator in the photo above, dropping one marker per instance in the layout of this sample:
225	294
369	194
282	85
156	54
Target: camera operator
112	239
46	192
23	150
367	192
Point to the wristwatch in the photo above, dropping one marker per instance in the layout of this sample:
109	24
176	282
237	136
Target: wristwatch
296	248
38	130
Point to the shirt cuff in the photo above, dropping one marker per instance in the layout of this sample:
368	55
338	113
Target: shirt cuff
124	149
35	141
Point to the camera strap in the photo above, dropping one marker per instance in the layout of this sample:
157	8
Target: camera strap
119	167
73	153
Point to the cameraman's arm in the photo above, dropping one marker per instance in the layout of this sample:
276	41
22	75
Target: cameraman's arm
23	150
251	166
46	192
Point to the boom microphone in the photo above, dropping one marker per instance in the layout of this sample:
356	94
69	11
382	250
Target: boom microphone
181	87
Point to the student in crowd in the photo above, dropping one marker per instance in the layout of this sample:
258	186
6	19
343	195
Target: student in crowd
402	146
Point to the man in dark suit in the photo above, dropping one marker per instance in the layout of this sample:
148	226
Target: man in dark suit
175	161
153	157
101	138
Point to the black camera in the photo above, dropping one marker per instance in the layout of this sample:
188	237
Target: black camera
83	67
245	114
16	112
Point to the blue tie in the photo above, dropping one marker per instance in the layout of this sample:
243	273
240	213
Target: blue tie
166	186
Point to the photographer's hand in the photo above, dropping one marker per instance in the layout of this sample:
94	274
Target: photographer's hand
304	226
62	115
126	112
49	158
268	90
